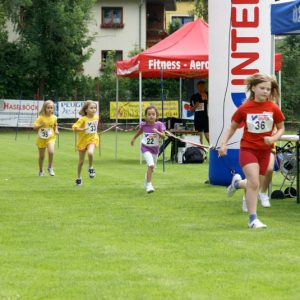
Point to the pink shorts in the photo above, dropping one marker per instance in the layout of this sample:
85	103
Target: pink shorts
261	157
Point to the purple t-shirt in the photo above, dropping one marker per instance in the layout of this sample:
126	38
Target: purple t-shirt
150	139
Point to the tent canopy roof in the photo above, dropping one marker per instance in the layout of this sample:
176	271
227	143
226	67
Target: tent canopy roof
182	54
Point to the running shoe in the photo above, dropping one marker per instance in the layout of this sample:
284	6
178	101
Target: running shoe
92	172
256	224
78	182
264	199
231	189
149	188
51	172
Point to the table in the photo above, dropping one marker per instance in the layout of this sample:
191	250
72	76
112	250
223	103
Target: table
295	139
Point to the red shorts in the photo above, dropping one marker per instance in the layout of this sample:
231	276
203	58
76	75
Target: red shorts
261	157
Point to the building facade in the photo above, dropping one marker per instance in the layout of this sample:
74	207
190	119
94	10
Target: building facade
124	26
184	12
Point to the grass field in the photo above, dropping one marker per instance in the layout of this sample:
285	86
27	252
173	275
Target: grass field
110	240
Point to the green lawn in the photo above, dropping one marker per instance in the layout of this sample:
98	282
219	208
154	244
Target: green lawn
110	240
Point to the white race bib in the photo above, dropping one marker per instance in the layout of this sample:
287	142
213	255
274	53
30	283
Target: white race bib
200	107
91	127
45	133
150	139
260	123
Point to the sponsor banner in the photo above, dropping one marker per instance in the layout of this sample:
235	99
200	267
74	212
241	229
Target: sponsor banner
243	36
186	113
19	113
131	109
70	109
178	65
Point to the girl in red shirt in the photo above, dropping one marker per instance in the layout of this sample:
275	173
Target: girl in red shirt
260	115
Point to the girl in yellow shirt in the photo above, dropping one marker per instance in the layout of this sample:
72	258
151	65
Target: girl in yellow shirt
88	137
46	125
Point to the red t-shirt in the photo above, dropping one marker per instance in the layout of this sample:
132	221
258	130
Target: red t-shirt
260	119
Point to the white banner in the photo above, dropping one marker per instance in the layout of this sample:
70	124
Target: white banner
239	46
19	113
70	109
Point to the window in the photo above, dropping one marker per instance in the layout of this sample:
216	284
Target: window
118	55
182	19
112	17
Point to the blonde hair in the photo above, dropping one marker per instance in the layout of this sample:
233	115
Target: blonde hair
152	107
44	107
85	105
258	78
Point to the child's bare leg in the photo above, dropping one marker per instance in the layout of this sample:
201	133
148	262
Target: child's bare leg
80	163
41	158
149	173
50	154
267	179
90	152
252	184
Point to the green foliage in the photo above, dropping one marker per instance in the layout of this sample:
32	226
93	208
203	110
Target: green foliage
290	49
55	34
201	9
174	25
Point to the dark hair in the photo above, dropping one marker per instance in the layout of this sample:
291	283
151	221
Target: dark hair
152	107
201	82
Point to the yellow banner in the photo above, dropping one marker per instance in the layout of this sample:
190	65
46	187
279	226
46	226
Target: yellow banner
131	109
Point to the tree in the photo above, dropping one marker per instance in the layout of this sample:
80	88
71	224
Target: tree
290	49
174	25
54	34
201	9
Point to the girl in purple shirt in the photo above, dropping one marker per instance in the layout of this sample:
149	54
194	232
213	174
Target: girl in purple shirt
152	131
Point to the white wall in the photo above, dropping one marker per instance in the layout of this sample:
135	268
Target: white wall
125	39
12	34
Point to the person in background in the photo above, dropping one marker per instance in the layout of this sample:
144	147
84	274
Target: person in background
88	140
46	125
199	106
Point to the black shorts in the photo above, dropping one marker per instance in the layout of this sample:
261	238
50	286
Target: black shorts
201	124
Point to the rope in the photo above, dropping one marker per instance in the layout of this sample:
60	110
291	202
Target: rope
204	147
100	132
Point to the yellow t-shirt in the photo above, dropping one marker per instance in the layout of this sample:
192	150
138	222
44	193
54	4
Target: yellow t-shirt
89	135
46	134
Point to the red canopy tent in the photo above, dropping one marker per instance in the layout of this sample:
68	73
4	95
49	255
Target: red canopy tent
183	54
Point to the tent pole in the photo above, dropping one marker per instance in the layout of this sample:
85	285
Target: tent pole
140	105
279	82
180	98
273	54
117	109
162	110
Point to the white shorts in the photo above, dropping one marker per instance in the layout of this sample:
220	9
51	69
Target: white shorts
150	158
